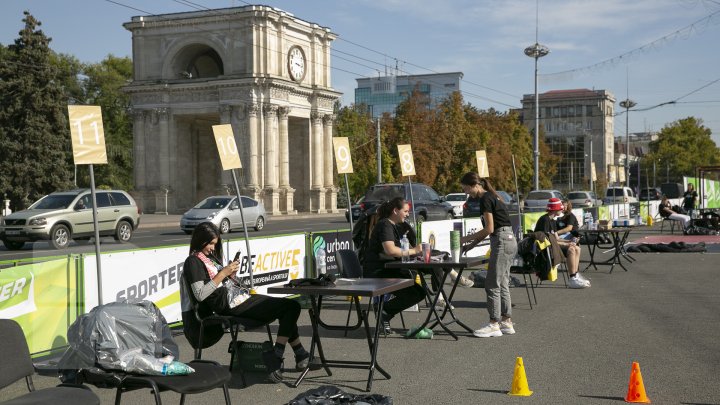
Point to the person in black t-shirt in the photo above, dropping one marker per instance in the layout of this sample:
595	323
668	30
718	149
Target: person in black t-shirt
549	223
485	202
567	225
383	247
690	199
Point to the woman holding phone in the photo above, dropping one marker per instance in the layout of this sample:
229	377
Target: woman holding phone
207	279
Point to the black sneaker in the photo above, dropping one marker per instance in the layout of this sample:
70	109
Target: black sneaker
273	364
385	323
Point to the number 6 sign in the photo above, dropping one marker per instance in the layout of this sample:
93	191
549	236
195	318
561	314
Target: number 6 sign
227	147
482	163
86	133
343	160
407	166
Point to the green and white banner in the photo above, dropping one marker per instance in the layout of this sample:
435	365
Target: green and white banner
708	191
42	298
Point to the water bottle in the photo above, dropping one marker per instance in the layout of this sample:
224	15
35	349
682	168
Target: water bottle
405	248
320	261
588	220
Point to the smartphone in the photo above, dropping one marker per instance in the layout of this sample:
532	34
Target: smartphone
237	256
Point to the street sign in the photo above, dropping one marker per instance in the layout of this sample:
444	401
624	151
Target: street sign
481	158
343	160
87	135
407	166
227	148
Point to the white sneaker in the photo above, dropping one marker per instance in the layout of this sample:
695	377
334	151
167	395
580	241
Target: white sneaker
582	278
489	330
466	282
575	282
506	327
441	304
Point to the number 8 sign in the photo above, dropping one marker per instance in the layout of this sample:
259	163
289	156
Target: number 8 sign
343	160
87	135
227	147
407	166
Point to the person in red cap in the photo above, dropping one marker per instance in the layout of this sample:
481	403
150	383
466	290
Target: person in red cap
548	224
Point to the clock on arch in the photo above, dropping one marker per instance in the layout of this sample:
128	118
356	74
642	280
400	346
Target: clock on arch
296	63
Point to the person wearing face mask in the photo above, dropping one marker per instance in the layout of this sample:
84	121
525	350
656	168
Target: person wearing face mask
206	277
384	247
548	224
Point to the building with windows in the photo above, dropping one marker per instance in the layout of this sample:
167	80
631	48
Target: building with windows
578	127
383	94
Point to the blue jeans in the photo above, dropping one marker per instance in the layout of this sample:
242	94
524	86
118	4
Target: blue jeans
503	248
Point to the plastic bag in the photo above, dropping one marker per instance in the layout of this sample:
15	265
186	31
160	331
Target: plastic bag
134	361
424	333
236	294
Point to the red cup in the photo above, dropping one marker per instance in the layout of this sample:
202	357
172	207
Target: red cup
426	252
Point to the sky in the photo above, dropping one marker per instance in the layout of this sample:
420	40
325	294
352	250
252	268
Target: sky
651	51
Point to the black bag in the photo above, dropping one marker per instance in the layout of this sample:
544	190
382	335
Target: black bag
322	281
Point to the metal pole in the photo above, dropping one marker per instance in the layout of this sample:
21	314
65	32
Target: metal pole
379	153
97	234
592	183
347	188
654	175
245	232
412	203
536	140
627	104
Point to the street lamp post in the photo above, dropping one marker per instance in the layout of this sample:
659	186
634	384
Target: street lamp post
627	104
536	52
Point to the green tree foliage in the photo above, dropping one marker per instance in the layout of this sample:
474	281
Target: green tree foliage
34	135
102	86
684	145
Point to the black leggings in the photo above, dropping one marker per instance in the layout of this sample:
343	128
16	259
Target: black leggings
404	298
265	309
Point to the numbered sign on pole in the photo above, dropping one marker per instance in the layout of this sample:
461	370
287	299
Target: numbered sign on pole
407	166
481	158
227	148
86	132
343	160
592	171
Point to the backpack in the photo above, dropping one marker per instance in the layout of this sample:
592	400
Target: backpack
362	232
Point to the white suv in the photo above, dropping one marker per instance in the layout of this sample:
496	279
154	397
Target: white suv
62	216
619	195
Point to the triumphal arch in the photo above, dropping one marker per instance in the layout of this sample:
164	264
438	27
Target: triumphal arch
257	68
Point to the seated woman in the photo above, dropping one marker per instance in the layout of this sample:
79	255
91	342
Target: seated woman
548	224
206	279
383	247
667	212
567	225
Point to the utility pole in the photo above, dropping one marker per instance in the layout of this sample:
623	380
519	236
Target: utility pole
627	104
379	153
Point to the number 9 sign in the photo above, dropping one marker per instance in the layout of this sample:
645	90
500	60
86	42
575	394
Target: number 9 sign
87	135
343	160
227	147
407	166
482	163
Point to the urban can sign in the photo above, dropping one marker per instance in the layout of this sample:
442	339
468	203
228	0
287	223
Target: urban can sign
343	160
227	148
87	135
407	166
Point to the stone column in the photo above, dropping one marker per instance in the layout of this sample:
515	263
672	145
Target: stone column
317	192
271	191
329	175
139	153
164	199
287	193
252	170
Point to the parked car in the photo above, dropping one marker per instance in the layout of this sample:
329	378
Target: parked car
457	200
652	193
63	216
584	199
428	204
510	203
355	208
618	195
224	212
537	200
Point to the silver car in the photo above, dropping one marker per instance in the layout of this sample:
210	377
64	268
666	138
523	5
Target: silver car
584	199
457	200
66	215
537	200
224	212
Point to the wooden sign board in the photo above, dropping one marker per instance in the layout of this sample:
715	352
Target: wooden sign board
343	160
227	148
407	165
481	158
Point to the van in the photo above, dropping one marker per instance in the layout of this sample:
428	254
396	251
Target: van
619	195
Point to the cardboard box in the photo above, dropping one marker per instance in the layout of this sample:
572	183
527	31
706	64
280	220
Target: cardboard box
604	224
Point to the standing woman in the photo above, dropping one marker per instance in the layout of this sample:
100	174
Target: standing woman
485	202
205	277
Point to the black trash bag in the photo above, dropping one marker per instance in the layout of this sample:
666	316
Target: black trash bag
330	395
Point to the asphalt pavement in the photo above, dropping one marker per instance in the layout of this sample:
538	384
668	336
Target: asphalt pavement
577	345
148	221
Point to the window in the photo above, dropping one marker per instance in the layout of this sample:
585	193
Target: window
249	202
432	194
103	200
119	198
556	111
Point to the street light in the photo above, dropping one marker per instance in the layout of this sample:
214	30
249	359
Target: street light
627	104
537	51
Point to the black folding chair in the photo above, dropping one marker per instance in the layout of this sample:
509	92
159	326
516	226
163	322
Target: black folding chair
16	364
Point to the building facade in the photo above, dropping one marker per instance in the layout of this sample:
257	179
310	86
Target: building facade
578	127
257	68
383	94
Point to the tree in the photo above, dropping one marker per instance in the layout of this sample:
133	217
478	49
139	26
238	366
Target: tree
102	87
34	135
683	145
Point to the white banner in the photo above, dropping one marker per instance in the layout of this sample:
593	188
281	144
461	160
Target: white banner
154	274
437	233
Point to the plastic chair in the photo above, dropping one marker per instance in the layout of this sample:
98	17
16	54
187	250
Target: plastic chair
234	324
16	364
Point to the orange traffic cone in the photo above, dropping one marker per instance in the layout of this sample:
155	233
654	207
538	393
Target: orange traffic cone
519	384
636	389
